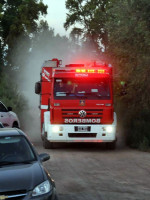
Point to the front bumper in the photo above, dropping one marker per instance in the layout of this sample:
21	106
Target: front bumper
81	133
28	195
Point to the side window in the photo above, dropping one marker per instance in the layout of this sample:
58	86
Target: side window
3	108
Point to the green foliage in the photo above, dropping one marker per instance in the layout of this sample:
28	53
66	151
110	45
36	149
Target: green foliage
92	16
129	48
19	18
10	95
18	21
144	144
123	27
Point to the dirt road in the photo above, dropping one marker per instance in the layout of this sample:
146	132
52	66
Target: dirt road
94	173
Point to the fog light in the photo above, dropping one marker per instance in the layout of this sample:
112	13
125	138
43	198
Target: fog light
61	128
109	129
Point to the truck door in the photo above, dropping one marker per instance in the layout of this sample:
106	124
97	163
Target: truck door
4	115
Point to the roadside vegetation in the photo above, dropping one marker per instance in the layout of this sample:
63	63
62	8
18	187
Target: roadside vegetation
119	30
18	20
24	38
116	31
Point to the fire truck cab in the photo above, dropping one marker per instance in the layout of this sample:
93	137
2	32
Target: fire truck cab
76	103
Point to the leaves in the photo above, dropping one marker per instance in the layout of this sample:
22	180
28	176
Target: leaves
92	16
121	28
18	19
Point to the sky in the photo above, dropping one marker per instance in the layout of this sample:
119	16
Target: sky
56	15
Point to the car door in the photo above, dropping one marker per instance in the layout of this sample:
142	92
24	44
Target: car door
4	115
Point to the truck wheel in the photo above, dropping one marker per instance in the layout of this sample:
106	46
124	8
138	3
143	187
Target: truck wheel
111	145
42	134
51	145
47	144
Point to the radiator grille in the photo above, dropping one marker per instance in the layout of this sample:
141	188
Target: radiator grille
90	113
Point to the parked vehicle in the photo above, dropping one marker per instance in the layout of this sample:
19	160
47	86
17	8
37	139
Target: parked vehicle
22	175
7	117
76	103
1	125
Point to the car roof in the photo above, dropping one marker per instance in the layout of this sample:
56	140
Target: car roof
11	132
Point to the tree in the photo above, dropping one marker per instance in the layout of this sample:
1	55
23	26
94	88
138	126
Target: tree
20	18
123	28
18	21
129	47
91	16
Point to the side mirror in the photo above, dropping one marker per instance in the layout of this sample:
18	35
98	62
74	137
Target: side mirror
38	87
9	108
44	157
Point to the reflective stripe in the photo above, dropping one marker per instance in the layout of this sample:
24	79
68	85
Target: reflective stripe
44	107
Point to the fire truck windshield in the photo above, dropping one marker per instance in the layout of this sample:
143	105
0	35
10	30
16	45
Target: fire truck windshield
77	89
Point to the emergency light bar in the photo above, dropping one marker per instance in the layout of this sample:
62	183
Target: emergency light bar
99	71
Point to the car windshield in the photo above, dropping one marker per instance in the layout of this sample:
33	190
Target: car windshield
15	149
77	89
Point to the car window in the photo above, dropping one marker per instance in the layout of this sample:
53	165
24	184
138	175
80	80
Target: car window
15	149
3	108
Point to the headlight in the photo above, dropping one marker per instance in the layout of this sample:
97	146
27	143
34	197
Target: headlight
55	129
109	129
43	188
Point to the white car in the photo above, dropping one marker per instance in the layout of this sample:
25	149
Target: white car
1	125
7	117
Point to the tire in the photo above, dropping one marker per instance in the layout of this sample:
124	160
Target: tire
51	145
42	134
111	145
47	144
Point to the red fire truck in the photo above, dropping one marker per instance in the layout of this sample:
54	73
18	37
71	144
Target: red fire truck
76	103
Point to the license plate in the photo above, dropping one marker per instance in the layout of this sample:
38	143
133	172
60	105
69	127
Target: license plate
82	128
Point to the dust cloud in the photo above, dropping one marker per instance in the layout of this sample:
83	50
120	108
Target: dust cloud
44	47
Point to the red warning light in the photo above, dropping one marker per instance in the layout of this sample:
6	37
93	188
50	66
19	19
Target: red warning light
91	70
83	70
78	70
99	71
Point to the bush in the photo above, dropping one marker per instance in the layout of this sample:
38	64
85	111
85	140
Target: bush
135	124
10	95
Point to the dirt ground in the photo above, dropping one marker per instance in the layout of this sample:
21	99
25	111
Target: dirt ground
91	172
